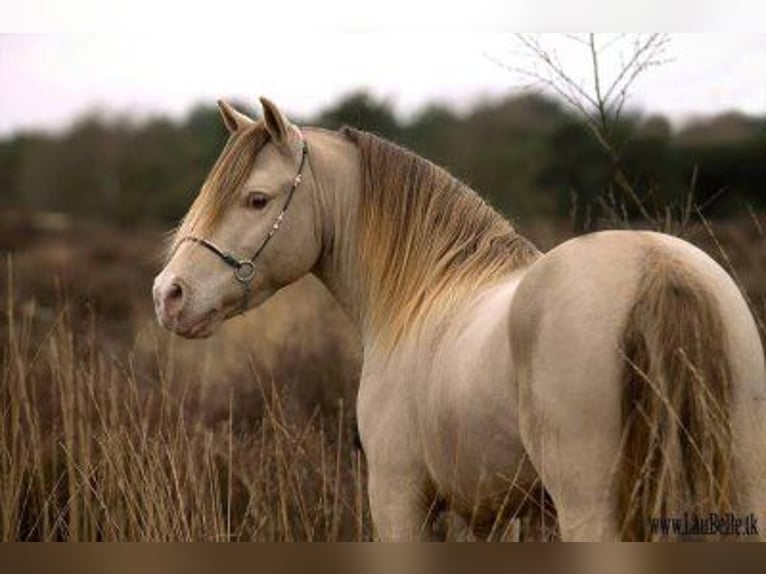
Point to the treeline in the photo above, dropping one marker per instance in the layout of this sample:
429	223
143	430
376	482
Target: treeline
528	155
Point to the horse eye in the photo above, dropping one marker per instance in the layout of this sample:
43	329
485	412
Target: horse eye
257	200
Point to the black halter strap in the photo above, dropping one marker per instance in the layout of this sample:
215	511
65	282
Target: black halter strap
244	269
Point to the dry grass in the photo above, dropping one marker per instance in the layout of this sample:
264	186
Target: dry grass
87	452
111	429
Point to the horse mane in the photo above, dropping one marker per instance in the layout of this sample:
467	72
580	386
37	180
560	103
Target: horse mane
224	181
425	239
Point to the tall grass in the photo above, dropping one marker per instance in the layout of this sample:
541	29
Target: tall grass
100	442
90	451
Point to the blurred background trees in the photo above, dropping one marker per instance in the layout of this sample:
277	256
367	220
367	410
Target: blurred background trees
529	156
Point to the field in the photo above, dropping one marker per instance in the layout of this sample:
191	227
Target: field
112	429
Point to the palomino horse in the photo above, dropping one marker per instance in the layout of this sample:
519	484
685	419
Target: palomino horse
622	370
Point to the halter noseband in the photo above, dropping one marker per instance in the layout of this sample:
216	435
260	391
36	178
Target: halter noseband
244	269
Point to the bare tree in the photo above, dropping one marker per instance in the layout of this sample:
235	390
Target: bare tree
598	99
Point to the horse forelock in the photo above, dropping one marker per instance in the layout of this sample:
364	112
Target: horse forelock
425	239
224	181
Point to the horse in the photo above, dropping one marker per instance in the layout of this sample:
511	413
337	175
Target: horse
622	371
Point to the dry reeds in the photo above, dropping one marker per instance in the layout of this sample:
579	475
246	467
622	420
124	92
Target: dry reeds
91	451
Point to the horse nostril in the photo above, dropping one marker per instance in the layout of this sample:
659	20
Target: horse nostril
172	299
175	291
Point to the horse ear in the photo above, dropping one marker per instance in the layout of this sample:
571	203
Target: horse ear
233	120
282	132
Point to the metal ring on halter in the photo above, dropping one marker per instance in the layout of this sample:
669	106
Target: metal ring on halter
245	271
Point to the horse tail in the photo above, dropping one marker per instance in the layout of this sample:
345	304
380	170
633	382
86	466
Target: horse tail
676	454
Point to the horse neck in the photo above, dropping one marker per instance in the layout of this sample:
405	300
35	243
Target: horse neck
335	166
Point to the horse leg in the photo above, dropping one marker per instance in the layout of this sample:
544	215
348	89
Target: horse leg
570	426
576	470
399	503
748	422
399	487
748	419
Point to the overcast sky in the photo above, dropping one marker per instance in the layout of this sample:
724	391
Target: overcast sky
48	80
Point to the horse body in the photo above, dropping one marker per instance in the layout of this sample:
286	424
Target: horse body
441	410
569	325
530	371
622	370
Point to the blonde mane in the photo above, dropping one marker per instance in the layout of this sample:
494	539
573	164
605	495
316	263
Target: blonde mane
225	179
424	238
